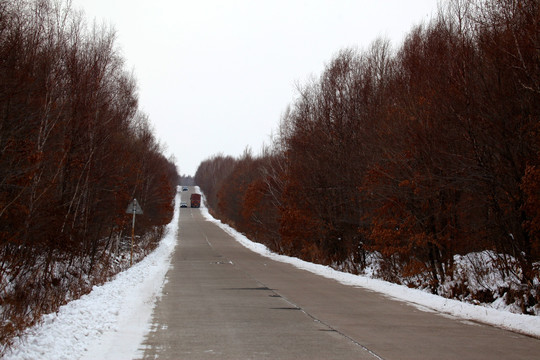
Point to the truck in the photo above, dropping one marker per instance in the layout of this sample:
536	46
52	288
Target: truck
195	200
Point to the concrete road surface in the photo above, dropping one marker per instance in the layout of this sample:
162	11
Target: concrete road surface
222	301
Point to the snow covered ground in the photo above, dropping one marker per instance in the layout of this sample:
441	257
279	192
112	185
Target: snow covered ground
111	321
108	323
525	324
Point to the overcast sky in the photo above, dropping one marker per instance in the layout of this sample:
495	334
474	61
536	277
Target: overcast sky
215	76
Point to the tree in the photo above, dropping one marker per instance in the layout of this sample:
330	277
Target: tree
71	157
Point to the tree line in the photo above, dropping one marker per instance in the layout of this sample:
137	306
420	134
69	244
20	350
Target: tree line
74	151
415	153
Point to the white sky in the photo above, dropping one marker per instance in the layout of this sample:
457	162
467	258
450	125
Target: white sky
215	76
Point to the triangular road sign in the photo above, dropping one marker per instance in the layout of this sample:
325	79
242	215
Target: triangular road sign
134	207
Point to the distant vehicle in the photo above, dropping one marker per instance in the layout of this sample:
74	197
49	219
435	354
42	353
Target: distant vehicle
195	200
185	188
183	204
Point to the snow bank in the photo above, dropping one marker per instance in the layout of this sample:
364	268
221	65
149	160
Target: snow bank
111	321
525	324
108	323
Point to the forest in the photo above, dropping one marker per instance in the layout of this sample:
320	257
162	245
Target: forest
411	155
75	150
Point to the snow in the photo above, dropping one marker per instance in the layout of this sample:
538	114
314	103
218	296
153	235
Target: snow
111	321
525	324
108	323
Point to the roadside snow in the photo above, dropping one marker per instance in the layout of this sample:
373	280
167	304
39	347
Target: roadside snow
108	323
525	324
111	321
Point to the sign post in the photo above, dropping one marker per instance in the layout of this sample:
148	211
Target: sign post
135	209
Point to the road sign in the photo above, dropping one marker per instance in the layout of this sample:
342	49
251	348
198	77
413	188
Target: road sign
134	208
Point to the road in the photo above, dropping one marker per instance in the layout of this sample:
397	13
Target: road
222	301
